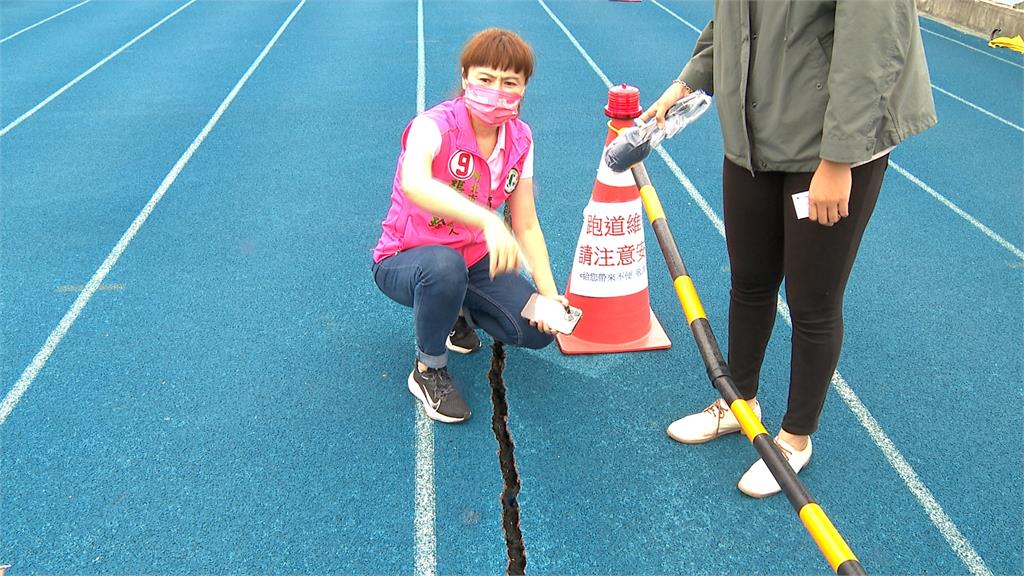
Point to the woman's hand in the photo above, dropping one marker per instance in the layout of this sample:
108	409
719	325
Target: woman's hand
829	198
670	96
501	245
543	326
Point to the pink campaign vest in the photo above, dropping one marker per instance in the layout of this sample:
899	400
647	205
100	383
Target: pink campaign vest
460	165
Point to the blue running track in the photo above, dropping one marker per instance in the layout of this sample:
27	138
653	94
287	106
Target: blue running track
230	397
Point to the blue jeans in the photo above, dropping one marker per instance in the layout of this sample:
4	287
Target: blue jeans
436	283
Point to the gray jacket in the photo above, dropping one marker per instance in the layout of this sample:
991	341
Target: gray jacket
800	80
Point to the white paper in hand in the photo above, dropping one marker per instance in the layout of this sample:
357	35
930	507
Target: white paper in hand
801	205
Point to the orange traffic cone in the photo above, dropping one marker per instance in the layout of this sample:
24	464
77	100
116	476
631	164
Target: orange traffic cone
609	271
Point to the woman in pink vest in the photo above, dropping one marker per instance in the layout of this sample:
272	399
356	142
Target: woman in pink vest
444	247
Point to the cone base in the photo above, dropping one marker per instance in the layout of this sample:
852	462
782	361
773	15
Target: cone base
655	339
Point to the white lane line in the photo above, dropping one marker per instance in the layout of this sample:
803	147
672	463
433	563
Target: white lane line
677	16
692	190
95	66
959	212
979	109
41	22
33	369
960	545
425	537
955	41
956	540
593	65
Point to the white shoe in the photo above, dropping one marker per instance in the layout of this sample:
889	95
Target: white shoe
716	420
758	481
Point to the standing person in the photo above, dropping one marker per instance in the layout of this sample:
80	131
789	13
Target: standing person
444	247
812	97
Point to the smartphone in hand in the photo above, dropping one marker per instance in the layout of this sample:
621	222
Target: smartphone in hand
552	313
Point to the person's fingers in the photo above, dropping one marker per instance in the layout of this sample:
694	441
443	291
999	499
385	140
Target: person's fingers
812	211
506	259
507	255
823	215
833	214
844	208
513	260
496	260
490	250
647	114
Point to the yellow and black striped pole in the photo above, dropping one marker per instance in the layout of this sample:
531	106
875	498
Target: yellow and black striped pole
832	545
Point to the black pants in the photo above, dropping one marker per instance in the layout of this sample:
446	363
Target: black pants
766	244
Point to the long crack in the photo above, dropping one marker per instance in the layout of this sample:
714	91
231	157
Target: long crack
507	460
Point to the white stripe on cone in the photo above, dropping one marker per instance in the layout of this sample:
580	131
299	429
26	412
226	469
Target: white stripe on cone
611	253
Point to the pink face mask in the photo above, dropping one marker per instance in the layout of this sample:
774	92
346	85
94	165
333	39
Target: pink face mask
493	107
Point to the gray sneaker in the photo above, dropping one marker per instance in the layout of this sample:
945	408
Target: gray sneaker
436	390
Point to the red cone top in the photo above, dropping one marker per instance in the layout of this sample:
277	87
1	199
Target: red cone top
623	102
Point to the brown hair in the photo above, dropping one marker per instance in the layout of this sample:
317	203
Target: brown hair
499	49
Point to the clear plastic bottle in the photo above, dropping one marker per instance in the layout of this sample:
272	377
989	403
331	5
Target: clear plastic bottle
679	116
634	144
